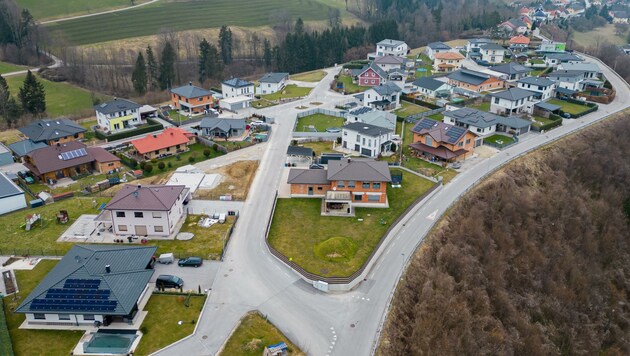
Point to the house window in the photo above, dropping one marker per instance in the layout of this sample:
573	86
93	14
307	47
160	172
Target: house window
373	81
364	141
468	142
478	129
428	140
319	188
157	152
39	316
177	147
376	185
358	197
461	144
351	184
120	214
76	135
158	228
64	316
366	185
138	214
157	215
374	198
88	316
496	100
122	227
341	184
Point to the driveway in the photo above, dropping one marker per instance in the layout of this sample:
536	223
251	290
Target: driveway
193	277
209	207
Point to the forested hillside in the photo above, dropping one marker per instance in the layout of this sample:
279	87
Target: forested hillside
535	261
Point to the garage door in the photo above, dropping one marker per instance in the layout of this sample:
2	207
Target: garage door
141	230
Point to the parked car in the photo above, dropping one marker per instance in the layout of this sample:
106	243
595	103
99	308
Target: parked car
190	262
333	130
257	122
166	258
169	281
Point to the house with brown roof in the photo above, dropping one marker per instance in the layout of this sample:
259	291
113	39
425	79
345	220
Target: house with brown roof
154	210
68	160
447	61
172	140
344	185
437	141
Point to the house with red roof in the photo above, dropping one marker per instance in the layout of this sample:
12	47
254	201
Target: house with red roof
172	140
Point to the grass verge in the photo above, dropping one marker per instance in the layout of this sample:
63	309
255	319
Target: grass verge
320	147
320	121
571	108
312	77
10	67
498	140
290	91
349	86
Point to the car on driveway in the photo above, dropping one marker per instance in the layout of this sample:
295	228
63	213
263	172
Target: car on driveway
190	262
169	281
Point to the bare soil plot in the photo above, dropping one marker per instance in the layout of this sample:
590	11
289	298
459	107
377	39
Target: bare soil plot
237	178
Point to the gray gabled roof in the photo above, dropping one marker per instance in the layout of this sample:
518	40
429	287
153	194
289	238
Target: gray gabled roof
582	66
469	76
48	129
388	88
300	151
428	83
359	169
24	147
511	68
376	68
390	60
237	83
190	91
480	40
492	47
222	124
379	118
8	188
116	105
541	81
273	77
126	280
566	73
513	94
438	45
390	43
366	129
151	197
473	117
563	57
307	176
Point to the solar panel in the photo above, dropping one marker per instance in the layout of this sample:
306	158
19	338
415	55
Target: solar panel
73	154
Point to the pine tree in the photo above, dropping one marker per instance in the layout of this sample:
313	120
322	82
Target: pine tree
204	54
225	42
4	96
214	65
152	70
267	53
13	111
139	75
167	67
32	95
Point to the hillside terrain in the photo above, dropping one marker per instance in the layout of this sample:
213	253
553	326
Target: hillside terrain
534	261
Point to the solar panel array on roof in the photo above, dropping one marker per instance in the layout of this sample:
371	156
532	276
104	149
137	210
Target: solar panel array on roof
76	294
454	133
73	154
426	124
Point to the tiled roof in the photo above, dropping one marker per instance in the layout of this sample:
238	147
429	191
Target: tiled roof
8	188
469	76
49	159
237	83
541	81
520	39
448	55
511	68
307	176
359	169
388	88
45	130
151	197
473	117
170	137
440	131
190	91
24	147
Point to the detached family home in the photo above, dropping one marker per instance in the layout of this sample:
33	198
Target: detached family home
153	210
447	61
492	53
437	141
237	94
436	47
543	87
272	82
512	71
52	132
474	44
591	70
11	196
514	25
555	59
222	127
366	139
474	81
192	99
388	63
484	123
431	88
371	75
519	43
171	141
378	118
118	114
568	79
512	101
389	47
382	97
92	285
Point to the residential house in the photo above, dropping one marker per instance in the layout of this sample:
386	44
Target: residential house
543	87
378	118
192	99
382	97
235	87
437	141
118	114
52	132
431	88
21	148
436	47
371	75
619	16
591	70
388	63
568	79
512	101
540	15
389	47
555	59
92	285
366	139
484	123
153	210
344	184
524	11
474	44
447	61
492	53
11	196
6	157
272	82
474	81
552	47
68	160
519	43
172	140
514	25
512	71
215	127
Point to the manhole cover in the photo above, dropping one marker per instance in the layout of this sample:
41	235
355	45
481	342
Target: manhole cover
352	325
204	337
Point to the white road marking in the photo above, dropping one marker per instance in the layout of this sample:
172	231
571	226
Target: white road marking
433	215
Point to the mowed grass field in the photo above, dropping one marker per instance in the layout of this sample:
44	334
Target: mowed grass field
9	67
186	15
598	35
62	99
53	9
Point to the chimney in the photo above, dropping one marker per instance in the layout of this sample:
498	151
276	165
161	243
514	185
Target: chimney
139	186
154	135
108	268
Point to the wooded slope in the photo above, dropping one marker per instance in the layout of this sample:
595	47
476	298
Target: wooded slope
535	261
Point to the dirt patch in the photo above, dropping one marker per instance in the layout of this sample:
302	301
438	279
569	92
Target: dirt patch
237	178
253	345
155	180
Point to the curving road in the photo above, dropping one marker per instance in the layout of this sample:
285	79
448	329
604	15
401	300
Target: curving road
331	324
98	13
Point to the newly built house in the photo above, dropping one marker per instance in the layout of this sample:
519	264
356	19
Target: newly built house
192	99
366	139
437	141
171	141
53	131
118	114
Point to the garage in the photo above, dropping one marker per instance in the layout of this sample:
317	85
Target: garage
235	103
11	196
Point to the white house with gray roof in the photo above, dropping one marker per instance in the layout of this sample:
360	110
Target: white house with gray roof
512	101
379	118
436	47
215	127
543	87
118	114
484	123
568	79
591	70
366	139
11	196
492	52
430	87
235	87
383	97
512	71
474	44
389	47
271	83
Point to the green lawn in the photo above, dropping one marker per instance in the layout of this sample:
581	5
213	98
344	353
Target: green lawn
10	67
320	121
313	77
207	243
538	72
6	348
35	342
499	140
62	99
596	36
342	243
76	187
234	145
408	109
43	240
161	327
349	86
195	150
320	147
47	9
290	91
568	107
185	15
262	103
253	334
484	106
540	121
536	61
437	117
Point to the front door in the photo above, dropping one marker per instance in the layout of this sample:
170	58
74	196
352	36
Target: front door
310	190
141	230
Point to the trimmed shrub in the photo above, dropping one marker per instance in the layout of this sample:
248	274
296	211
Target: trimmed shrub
207	152
191	159
161	166
148	168
170	164
178	157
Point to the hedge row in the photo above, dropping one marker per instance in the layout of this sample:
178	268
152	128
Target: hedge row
593	107
557	121
6	347
151	126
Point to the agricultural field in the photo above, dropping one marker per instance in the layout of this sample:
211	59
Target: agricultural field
181	16
598	36
47	9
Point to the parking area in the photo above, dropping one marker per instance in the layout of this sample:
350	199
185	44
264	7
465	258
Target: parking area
194	277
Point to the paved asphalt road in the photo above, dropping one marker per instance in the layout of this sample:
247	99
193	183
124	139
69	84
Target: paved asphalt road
335	324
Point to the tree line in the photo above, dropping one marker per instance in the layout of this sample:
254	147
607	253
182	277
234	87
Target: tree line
31	99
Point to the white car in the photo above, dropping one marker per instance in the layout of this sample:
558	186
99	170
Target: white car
257	122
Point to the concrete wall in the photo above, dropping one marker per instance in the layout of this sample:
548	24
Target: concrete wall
55	320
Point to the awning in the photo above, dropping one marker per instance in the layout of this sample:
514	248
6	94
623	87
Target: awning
441	152
547	106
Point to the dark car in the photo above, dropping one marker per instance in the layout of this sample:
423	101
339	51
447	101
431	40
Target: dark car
168	281
190	262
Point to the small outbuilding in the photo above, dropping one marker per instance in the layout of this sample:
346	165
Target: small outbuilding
11	196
